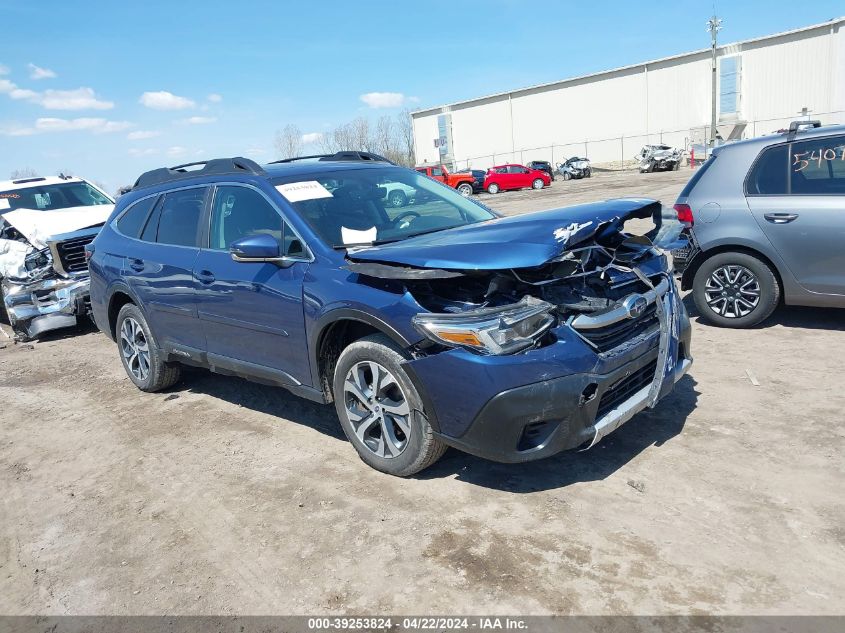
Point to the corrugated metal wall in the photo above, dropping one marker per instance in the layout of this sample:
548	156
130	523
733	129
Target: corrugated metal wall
610	116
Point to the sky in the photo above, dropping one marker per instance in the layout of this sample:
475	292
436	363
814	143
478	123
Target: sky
107	90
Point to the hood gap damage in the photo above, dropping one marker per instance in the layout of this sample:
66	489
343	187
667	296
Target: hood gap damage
595	269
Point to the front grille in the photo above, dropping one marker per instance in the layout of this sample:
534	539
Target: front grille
626	388
72	254
614	335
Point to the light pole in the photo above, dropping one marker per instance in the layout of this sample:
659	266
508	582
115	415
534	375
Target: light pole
714	25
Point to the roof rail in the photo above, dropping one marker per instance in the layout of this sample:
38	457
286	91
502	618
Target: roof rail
236	165
25	180
344	155
796	125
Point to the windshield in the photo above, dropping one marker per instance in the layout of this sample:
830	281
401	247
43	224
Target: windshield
366	206
51	197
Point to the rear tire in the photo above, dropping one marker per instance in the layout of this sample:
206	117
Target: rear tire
493	188
371	392
142	359
735	290
567	175
465	189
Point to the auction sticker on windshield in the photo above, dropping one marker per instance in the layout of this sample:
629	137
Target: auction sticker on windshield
4	204
299	191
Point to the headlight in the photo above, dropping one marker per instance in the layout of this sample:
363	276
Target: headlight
502	330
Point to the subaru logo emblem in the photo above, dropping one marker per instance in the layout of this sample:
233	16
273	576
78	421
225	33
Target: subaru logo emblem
635	305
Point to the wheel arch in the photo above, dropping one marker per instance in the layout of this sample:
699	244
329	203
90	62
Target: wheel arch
119	296
335	331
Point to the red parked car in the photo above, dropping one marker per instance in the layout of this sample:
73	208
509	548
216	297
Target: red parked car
505	177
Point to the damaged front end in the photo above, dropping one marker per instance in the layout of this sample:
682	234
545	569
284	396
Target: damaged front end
580	332
45	288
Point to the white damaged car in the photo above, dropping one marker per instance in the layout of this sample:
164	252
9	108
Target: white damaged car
45	225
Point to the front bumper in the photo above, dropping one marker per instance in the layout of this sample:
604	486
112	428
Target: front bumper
545	418
49	304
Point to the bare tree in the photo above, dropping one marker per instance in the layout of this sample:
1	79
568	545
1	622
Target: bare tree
405	133
24	172
360	131
289	141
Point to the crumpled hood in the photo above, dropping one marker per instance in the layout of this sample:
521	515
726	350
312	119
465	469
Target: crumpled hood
38	226
514	242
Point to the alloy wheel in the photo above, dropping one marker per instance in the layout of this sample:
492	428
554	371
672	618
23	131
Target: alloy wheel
135	348
732	291
377	409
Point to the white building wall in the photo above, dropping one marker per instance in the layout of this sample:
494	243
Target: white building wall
609	116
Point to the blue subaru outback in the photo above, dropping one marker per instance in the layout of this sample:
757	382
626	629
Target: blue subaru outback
429	323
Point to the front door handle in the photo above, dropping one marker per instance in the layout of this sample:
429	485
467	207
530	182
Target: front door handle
205	276
781	218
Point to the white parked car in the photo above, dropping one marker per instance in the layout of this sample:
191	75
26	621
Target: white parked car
45	225
398	194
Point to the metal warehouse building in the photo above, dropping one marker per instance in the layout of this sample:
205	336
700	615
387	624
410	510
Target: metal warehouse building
763	84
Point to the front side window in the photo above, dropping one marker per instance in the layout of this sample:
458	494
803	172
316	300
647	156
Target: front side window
436	171
179	217
817	166
52	197
352	206
239	212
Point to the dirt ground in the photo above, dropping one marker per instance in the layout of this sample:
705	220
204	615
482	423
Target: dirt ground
225	497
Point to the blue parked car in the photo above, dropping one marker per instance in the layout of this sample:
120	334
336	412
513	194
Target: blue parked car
429	325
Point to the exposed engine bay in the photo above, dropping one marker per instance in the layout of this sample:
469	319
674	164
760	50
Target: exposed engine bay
604	281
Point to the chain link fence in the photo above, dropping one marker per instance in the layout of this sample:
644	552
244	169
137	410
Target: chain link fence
617	153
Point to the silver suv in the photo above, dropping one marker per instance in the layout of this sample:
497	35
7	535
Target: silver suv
766	222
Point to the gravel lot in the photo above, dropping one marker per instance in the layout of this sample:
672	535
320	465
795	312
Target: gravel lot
225	497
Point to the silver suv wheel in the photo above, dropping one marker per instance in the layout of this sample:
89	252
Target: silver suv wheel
377	409
732	291
135	348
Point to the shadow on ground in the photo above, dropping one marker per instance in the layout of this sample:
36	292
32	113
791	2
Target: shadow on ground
650	428
810	318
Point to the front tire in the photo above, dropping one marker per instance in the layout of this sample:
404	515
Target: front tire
567	175
142	359
381	411
735	290
537	184
397	199
465	189
493	188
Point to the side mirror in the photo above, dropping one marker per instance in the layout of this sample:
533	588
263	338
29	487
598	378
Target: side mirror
258	248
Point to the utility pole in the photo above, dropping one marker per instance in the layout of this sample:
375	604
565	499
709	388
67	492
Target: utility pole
714	25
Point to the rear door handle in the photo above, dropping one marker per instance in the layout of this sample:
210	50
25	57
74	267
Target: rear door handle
781	218
136	264
205	276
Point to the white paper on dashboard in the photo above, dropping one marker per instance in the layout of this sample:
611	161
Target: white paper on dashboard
307	190
4	204
353	236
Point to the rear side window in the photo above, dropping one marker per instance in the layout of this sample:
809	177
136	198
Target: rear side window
133	219
179	217
769	175
817	166
692	182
